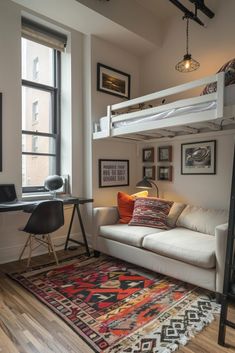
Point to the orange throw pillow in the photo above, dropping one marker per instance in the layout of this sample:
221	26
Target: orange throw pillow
125	204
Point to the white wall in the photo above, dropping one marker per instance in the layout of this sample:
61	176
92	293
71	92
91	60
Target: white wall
108	54
211	46
76	157
72	116
210	191
10	86
141	22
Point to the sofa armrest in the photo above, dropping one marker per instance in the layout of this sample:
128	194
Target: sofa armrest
103	216
221	233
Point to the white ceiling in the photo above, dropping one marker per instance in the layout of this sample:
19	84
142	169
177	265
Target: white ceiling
164	10
135	25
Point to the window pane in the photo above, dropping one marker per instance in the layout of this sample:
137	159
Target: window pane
37	62
36	110
35	169
38	144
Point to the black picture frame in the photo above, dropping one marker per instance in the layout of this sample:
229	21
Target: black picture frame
165	173
113	81
165	154
198	158
149	172
148	154
0	132
113	172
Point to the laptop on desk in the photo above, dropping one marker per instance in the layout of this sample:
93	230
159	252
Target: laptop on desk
8	193
8	196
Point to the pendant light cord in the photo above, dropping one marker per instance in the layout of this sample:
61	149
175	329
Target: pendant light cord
187	34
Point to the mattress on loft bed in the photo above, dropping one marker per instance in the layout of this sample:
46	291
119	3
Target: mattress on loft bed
229	99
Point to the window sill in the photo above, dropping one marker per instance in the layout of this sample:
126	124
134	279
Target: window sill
37	196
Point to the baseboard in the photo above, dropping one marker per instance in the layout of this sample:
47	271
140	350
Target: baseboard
9	254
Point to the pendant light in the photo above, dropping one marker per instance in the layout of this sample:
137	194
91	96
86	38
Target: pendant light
188	64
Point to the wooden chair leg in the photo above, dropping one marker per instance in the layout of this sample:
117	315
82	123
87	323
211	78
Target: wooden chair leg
49	247
25	246
53	249
30	250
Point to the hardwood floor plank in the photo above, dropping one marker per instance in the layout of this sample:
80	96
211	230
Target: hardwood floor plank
6	345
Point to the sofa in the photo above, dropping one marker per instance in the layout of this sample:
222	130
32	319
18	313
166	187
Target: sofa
191	249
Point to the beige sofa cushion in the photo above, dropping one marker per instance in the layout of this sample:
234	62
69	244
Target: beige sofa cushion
202	220
184	245
173	215
125	234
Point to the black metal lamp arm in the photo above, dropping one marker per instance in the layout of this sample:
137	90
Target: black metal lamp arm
152	182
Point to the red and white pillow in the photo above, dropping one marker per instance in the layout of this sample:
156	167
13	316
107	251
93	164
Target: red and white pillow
151	212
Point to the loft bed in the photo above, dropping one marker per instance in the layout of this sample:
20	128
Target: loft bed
209	112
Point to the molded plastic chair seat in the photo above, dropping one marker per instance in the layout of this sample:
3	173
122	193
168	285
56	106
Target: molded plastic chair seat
47	217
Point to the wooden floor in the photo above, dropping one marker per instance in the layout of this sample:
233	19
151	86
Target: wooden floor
28	326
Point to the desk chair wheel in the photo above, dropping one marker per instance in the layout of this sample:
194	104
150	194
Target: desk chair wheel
47	217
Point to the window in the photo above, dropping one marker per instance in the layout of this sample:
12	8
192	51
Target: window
35	111
34	143
35	68
40	93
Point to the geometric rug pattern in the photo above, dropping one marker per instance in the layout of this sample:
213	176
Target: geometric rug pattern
117	307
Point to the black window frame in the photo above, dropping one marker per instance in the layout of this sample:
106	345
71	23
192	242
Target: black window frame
55	92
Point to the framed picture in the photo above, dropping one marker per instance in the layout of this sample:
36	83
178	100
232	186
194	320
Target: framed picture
113	81
165	173
149	172
165	154
198	157
148	154
113	172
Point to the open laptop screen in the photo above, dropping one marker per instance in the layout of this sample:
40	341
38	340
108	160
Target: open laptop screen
7	193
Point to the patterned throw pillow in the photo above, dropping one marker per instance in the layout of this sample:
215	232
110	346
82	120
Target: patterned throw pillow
229	69
150	212
125	204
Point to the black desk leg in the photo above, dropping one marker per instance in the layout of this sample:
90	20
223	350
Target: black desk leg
76	206
82	229
70	226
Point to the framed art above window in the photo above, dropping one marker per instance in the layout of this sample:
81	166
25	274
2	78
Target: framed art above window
198	157
113	172
113	81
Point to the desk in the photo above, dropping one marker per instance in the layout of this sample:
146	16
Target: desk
28	206
76	201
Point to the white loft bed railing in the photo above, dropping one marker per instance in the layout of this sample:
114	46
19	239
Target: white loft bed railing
163	126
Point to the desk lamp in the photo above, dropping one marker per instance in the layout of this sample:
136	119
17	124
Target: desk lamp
147	183
53	183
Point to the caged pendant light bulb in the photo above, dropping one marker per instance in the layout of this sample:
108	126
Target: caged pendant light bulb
188	64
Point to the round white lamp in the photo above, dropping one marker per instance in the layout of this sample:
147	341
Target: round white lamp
53	183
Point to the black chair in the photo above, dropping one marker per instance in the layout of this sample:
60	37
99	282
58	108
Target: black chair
47	217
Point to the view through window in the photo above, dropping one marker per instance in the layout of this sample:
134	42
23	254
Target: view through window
40	114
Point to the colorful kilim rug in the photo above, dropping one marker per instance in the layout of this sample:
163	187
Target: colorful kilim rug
118	307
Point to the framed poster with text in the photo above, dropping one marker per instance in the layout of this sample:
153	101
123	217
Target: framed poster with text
113	172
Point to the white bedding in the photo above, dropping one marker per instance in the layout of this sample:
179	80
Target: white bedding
168	114
229	99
